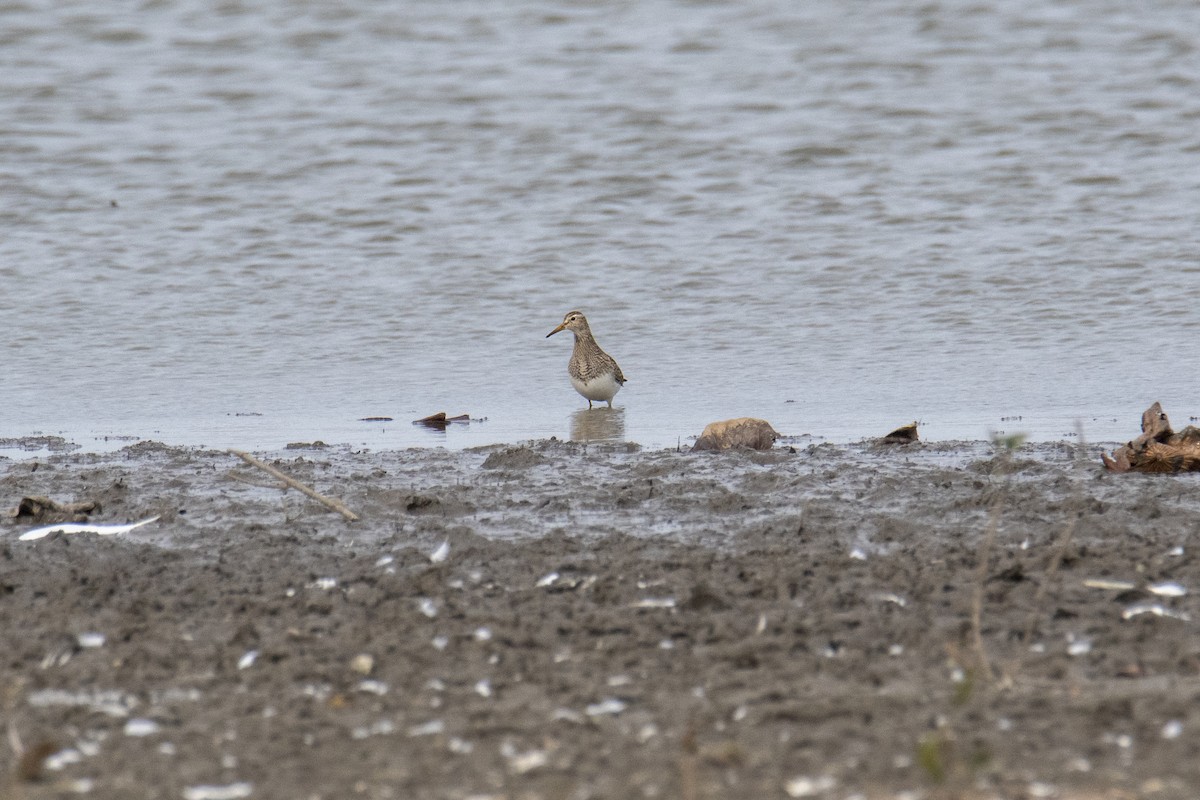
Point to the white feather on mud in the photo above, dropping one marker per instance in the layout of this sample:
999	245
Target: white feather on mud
441	553
81	527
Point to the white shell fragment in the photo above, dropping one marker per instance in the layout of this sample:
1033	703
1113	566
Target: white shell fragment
63	759
1079	647
382	727
1137	609
520	763
546	580
91	639
441	553
1164	589
655	602
567	715
140	726
232	791
1104	583
247	660
112	702
809	787
373	687
82	527
609	705
431	728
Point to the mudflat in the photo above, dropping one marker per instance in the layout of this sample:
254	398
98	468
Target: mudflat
557	620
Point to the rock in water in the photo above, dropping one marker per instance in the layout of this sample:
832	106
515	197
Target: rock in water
756	434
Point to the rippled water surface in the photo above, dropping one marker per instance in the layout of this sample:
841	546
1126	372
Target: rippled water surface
246	223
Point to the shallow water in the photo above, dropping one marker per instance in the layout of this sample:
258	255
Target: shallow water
253	223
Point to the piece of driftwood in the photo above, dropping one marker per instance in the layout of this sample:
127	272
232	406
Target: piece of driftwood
440	420
1159	449
905	434
329	502
756	434
36	508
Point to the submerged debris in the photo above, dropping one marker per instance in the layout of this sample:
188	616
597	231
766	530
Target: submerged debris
440	421
1159	449
755	434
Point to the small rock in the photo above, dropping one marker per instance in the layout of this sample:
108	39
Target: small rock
756	434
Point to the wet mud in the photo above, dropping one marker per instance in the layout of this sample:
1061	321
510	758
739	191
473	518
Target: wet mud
566	621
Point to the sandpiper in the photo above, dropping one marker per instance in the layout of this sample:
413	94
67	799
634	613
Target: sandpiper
594	373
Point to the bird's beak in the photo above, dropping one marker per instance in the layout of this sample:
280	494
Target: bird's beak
556	330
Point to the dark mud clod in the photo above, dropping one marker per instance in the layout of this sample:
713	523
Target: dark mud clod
32	766
1159	449
36	508
748	432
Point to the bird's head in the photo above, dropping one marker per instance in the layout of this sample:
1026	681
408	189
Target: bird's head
574	321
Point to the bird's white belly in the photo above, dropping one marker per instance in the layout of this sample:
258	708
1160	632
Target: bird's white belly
603	387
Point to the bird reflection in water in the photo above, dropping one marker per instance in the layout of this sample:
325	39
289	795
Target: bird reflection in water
598	425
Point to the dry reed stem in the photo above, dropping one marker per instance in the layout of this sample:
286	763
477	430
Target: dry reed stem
329	502
981	657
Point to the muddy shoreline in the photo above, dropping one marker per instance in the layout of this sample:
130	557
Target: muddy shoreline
606	622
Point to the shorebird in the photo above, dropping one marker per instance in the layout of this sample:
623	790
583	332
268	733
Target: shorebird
594	373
